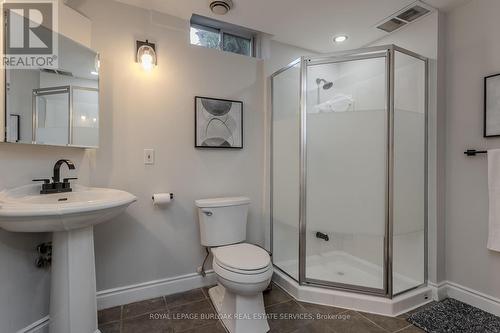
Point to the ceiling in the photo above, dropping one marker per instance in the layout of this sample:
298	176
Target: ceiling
310	24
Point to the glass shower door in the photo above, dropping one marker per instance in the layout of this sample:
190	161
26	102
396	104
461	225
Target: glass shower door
285	174
346	200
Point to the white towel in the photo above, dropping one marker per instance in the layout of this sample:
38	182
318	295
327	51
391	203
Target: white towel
494	199
339	103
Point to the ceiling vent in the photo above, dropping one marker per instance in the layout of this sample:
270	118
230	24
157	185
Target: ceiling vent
392	25
413	13
220	7
405	16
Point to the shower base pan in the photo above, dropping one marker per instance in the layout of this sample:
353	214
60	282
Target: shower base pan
350	300
343	268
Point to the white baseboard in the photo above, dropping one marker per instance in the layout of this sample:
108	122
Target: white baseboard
467	295
152	289
37	326
438	290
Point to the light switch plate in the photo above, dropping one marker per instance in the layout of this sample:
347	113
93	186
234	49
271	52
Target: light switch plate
149	156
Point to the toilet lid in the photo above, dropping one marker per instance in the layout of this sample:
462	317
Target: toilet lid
243	256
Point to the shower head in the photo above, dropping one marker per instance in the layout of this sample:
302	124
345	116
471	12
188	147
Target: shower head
327	85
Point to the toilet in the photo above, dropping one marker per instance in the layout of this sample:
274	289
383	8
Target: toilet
243	270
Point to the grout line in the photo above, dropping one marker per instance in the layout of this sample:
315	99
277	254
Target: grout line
184	304
410	325
146	313
288	300
190	302
343	310
197	327
371	321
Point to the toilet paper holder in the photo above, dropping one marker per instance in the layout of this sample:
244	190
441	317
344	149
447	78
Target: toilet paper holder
171	196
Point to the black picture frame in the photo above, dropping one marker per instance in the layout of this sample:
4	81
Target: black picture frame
237	122
488	112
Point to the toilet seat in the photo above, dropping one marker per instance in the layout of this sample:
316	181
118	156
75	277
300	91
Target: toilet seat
240	278
242	257
243	263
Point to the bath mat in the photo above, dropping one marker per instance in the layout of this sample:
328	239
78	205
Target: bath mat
452	316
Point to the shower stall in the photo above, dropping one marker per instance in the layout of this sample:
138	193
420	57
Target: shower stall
349	171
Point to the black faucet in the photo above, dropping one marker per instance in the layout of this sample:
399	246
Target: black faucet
57	186
57	169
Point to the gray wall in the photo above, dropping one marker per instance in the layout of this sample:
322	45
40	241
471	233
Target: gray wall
155	110
473	51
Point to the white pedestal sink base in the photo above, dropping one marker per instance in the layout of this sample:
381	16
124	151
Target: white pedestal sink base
70	216
73	305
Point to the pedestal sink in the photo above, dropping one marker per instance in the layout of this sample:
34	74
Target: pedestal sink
71	217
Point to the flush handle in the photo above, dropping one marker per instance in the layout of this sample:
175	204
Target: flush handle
208	213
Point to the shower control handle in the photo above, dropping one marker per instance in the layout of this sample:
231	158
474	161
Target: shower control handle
322	236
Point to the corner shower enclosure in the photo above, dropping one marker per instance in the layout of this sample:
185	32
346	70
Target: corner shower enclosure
349	170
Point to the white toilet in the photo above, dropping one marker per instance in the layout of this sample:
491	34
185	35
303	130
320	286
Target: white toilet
243	270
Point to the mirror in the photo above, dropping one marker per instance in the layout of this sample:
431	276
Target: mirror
55	107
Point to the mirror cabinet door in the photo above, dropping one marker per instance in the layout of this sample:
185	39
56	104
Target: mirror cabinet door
57	107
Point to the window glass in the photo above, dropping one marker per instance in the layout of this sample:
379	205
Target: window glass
205	36
236	44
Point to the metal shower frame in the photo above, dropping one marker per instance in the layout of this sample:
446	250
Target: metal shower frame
387	51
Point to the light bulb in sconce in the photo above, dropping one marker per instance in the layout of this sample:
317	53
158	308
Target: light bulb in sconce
94	120
147	61
83	118
146	55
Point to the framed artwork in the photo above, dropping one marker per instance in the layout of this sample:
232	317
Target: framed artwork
492	106
218	123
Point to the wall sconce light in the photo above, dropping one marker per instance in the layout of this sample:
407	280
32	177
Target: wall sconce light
146	54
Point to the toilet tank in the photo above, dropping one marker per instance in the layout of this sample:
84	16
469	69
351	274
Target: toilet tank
223	221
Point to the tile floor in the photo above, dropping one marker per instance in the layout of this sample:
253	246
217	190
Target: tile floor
190	312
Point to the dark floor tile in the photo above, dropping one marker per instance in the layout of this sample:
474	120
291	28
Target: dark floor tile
143	307
155	322
409	313
411	329
322	309
184	298
315	327
192	315
287	317
212	328
110	328
389	323
275	295
109	315
355	323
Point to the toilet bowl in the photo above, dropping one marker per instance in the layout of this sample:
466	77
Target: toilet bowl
243	271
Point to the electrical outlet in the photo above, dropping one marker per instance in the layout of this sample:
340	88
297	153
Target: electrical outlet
149	156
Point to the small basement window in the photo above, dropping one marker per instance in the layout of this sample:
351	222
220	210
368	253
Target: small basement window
223	36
